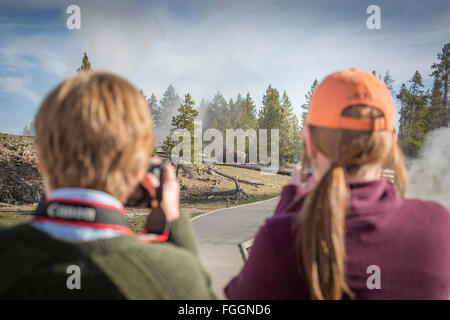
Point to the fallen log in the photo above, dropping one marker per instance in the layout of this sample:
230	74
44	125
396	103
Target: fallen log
237	192
233	178
254	167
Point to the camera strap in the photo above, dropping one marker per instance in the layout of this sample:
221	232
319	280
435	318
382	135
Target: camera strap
90	214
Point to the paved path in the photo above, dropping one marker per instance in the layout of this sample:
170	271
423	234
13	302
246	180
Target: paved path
219	234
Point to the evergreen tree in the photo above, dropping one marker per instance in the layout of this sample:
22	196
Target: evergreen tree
290	143
183	120
202	109
305	106
439	102
168	107
298	140
234	108
231	113
414	113
217	114
155	109
238	103
389	82
246	118
375	74
271	115
437	114
26	131
402	96
29	131
85	64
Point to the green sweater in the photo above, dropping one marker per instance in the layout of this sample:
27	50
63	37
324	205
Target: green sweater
33	265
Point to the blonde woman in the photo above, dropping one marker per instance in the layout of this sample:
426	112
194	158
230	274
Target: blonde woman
94	137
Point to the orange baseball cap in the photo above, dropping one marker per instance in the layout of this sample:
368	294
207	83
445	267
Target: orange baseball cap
348	88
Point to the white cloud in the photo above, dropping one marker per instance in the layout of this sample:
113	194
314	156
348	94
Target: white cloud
39	52
20	87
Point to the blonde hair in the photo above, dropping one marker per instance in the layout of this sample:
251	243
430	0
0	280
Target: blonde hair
94	131
320	226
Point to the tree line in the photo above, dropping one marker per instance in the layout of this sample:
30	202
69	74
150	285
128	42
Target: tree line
276	112
421	111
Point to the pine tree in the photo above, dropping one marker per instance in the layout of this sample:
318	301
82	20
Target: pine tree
26	131
183	120
234	108
308	97
437	113
155	109
238	103
85	64
243	116
414	113
290	144
271	115
202	109
439	102
217	114
402	96
247	114
375	74
389	81
168	106
29	131
231	113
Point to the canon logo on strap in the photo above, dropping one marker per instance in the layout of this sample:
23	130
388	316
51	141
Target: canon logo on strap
61	211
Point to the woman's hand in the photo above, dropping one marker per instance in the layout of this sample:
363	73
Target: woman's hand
171	190
296	175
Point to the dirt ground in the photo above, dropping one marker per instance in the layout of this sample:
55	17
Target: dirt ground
20	180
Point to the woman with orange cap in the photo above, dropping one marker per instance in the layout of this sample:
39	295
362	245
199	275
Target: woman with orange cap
349	234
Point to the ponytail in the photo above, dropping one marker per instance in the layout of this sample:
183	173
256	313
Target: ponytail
322	236
398	165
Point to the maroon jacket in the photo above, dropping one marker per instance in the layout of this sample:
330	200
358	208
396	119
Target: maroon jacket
408	239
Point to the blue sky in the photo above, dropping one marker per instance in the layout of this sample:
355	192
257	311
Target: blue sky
204	46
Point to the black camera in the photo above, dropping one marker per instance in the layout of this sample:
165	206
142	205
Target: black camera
141	198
